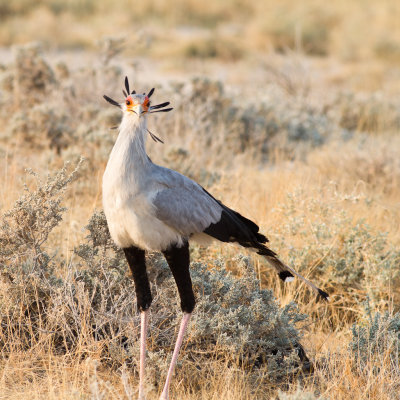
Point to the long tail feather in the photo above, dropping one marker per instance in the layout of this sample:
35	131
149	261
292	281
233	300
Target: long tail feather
234	228
287	273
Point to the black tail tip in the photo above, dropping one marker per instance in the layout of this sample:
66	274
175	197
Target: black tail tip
286	276
261	238
322	295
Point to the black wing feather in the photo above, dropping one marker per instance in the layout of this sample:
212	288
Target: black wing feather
233	227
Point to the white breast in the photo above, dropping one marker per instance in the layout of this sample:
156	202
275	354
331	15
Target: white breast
130	215
132	222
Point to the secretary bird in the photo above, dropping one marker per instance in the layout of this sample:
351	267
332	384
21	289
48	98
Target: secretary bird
152	208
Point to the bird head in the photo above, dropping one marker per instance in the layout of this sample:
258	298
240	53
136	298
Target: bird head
137	104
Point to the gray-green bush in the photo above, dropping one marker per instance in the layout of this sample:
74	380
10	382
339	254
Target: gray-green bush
377	337
350	256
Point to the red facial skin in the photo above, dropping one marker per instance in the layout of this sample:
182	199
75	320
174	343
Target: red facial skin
130	104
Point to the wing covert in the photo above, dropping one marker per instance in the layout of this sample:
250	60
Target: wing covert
185	206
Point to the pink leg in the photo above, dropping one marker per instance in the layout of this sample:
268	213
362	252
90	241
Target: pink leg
143	336
178	344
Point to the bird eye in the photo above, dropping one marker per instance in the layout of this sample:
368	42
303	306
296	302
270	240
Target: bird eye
128	102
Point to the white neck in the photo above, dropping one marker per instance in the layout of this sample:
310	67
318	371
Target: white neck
129	151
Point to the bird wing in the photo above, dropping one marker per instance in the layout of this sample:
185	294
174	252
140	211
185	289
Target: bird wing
187	207
183	204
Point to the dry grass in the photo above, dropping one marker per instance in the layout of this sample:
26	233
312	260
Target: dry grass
40	374
352	31
305	142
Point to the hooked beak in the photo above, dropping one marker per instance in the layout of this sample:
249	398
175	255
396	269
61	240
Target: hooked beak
139	109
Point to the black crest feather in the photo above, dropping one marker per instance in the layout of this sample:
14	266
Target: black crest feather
150	93
111	101
154	137
127	84
159	105
163	110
